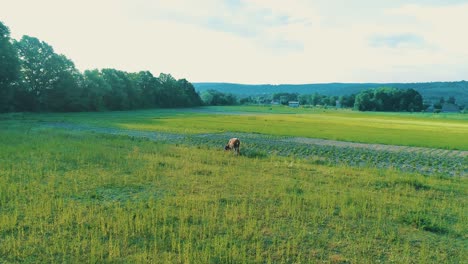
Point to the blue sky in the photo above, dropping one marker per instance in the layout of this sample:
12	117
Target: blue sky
255	41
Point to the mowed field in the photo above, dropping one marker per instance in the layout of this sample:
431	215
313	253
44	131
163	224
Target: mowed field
81	196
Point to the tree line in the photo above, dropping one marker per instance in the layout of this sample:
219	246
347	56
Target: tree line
389	99
314	99
35	78
376	99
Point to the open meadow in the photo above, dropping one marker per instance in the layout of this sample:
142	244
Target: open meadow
156	186
443	131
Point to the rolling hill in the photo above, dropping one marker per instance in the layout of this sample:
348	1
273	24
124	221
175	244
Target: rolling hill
431	91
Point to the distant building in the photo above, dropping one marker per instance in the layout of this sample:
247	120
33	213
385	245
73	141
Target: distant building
337	104
431	108
450	108
293	104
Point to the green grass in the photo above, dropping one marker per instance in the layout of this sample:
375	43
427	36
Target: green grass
365	129
447	131
77	197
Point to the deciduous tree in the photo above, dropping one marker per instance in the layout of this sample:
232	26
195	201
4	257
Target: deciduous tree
9	69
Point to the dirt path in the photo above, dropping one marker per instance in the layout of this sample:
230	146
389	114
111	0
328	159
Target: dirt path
381	147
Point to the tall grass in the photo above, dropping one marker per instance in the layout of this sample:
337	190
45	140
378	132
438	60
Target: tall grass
76	197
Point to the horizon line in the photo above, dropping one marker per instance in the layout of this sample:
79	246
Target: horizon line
319	83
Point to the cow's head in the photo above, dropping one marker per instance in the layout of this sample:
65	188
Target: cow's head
227	147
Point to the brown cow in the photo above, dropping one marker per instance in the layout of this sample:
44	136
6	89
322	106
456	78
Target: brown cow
233	144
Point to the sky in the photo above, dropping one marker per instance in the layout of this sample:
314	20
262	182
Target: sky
255	41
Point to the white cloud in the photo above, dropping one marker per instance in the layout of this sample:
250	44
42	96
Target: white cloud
252	41
445	26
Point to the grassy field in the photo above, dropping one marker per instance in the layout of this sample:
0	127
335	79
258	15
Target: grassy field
84	197
445	131
77	197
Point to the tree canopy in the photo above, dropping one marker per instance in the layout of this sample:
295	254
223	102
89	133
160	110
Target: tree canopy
9	69
213	97
389	99
35	78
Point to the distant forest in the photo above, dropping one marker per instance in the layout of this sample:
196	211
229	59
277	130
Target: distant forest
36	79
431	92
380	99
